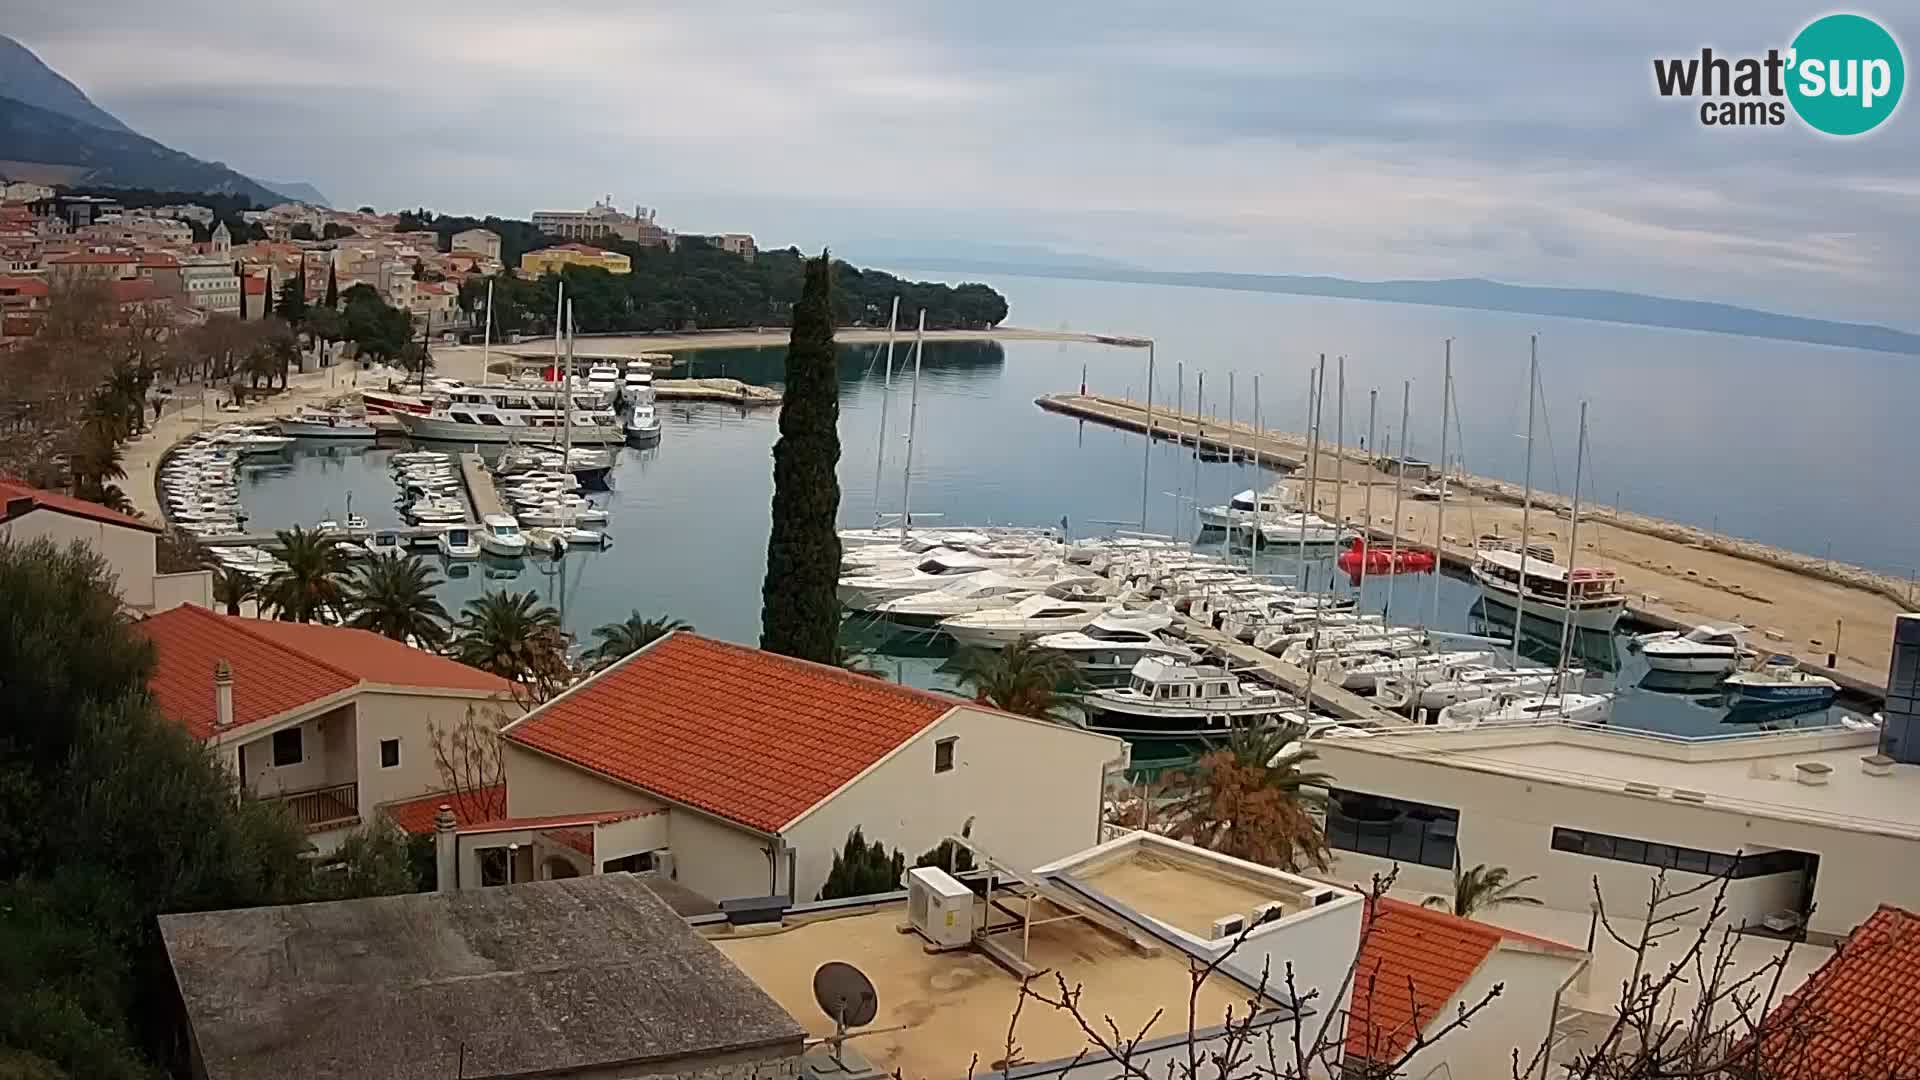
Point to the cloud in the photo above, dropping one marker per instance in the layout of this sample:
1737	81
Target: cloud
1513	141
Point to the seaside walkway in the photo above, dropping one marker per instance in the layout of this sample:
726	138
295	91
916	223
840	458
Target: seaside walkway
1676	576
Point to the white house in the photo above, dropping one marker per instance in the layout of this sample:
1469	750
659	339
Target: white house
749	769
332	721
126	543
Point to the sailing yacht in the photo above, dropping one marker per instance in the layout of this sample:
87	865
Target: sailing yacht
1509	707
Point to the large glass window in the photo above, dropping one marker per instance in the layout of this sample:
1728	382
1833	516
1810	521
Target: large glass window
1389	828
1674	857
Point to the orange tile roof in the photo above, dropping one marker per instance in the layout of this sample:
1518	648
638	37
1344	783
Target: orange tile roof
64	504
1859	1015
1434	952
746	735
93	257
415	816
281	666
23	286
549	821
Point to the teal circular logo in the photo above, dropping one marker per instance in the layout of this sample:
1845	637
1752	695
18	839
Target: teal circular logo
1846	75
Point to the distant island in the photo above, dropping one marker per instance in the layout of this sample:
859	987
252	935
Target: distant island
1602	305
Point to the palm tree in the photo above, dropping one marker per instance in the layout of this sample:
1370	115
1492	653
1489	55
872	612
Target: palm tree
1483	887
311	584
1253	799
394	598
622	639
96	459
233	588
1021	679
516	637
114	499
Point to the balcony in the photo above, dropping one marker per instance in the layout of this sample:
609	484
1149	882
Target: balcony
319	809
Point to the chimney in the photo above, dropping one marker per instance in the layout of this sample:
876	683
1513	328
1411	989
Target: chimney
446	871
222	695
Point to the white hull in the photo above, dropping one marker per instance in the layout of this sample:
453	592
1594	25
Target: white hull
1601	617
996	637
1693	664
302	429
501	546
428	427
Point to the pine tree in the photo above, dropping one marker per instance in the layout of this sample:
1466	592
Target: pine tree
333	288
800	612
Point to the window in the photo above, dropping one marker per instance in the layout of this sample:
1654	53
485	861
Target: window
286	748
631	864
389	753
494	866
1673	857
1389	828
943	755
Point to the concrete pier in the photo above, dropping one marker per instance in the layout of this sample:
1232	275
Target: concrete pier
482	497
1327	697
728	391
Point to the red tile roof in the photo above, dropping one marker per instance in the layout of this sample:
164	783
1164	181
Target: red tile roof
130	290
415	816
1434	952
254	286
103	258
1859	1015
549	821
743	734
281	666
23	286
158	260
63	504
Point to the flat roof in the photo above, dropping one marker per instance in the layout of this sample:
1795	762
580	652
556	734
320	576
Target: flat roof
1184	895
520	980
1754	775
950	1006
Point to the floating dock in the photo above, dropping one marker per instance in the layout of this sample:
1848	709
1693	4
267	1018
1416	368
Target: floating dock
483	497
1675	575
1328	697
727	391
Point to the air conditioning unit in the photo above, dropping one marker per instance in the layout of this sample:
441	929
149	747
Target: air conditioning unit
939	909
1271	911
663	863
1227	926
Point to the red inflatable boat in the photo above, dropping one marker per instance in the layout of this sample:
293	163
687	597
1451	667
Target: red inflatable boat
1383	560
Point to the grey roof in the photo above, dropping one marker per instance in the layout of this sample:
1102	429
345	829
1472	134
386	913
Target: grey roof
537	978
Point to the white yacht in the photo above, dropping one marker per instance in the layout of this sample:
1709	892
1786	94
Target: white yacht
1249	507
1596	598
544	539
1439	689
1363	672
1291	528
458	542
324	424
636	383
500	535
991	591
247	440
1058	610
1779	681
866	591
1707	648
560	513
387	544
1518	708
603	379
1116	640
1173	699
524	414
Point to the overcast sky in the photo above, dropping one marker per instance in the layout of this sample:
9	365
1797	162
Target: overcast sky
1520	141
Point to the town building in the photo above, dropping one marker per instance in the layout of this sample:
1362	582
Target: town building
753	768
97	265
126	543
1859	1015
1127	922
209	284
554	259
23	191
1815	826
588	979
163	271
602	221
740	244
331	721
482	242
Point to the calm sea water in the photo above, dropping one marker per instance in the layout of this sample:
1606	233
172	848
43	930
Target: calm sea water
1763	437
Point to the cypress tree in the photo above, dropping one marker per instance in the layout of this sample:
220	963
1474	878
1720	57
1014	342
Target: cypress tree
333	288
799	610
239	273
268	294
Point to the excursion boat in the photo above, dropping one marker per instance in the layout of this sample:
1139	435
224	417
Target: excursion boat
1779	682
1589	596
458	542
1709	648
1248	507
394	403
500	535
1115	641
317	424
522	414
246	440
1165	698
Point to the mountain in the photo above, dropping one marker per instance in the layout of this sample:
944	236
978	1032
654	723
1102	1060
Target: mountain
1601	305
299	192
50	147
25	77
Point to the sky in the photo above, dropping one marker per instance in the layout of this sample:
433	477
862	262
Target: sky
1516	140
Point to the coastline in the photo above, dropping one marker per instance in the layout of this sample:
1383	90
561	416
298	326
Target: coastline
632	345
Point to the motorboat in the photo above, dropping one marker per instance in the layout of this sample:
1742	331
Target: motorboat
387	544
603	379
863	592
1362	672
1116	640
553	514
636	383
458	542
1707	648
1589	596
500	535
1310	529
356	524
642	423
250	442
330	424
436	512
1778	681
1509	707
1247	507
982	592
1439	689
1166	698
957	536
543	539
1036	616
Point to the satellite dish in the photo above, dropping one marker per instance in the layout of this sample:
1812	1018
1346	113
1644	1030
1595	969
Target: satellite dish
845	994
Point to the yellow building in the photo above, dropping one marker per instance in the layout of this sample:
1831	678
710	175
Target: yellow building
551	260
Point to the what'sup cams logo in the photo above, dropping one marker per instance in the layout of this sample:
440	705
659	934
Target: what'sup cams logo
1842	75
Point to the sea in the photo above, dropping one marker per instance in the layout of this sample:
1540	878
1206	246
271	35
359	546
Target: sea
1780	442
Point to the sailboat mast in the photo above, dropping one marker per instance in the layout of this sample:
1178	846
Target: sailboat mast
486	339
1146	456
886	392
1230	458
1366	525
1440	518
1526	502
559	325
566	395
1573	559
1315	376
1199	398
1399	494
913	417
1259	496
1339	454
